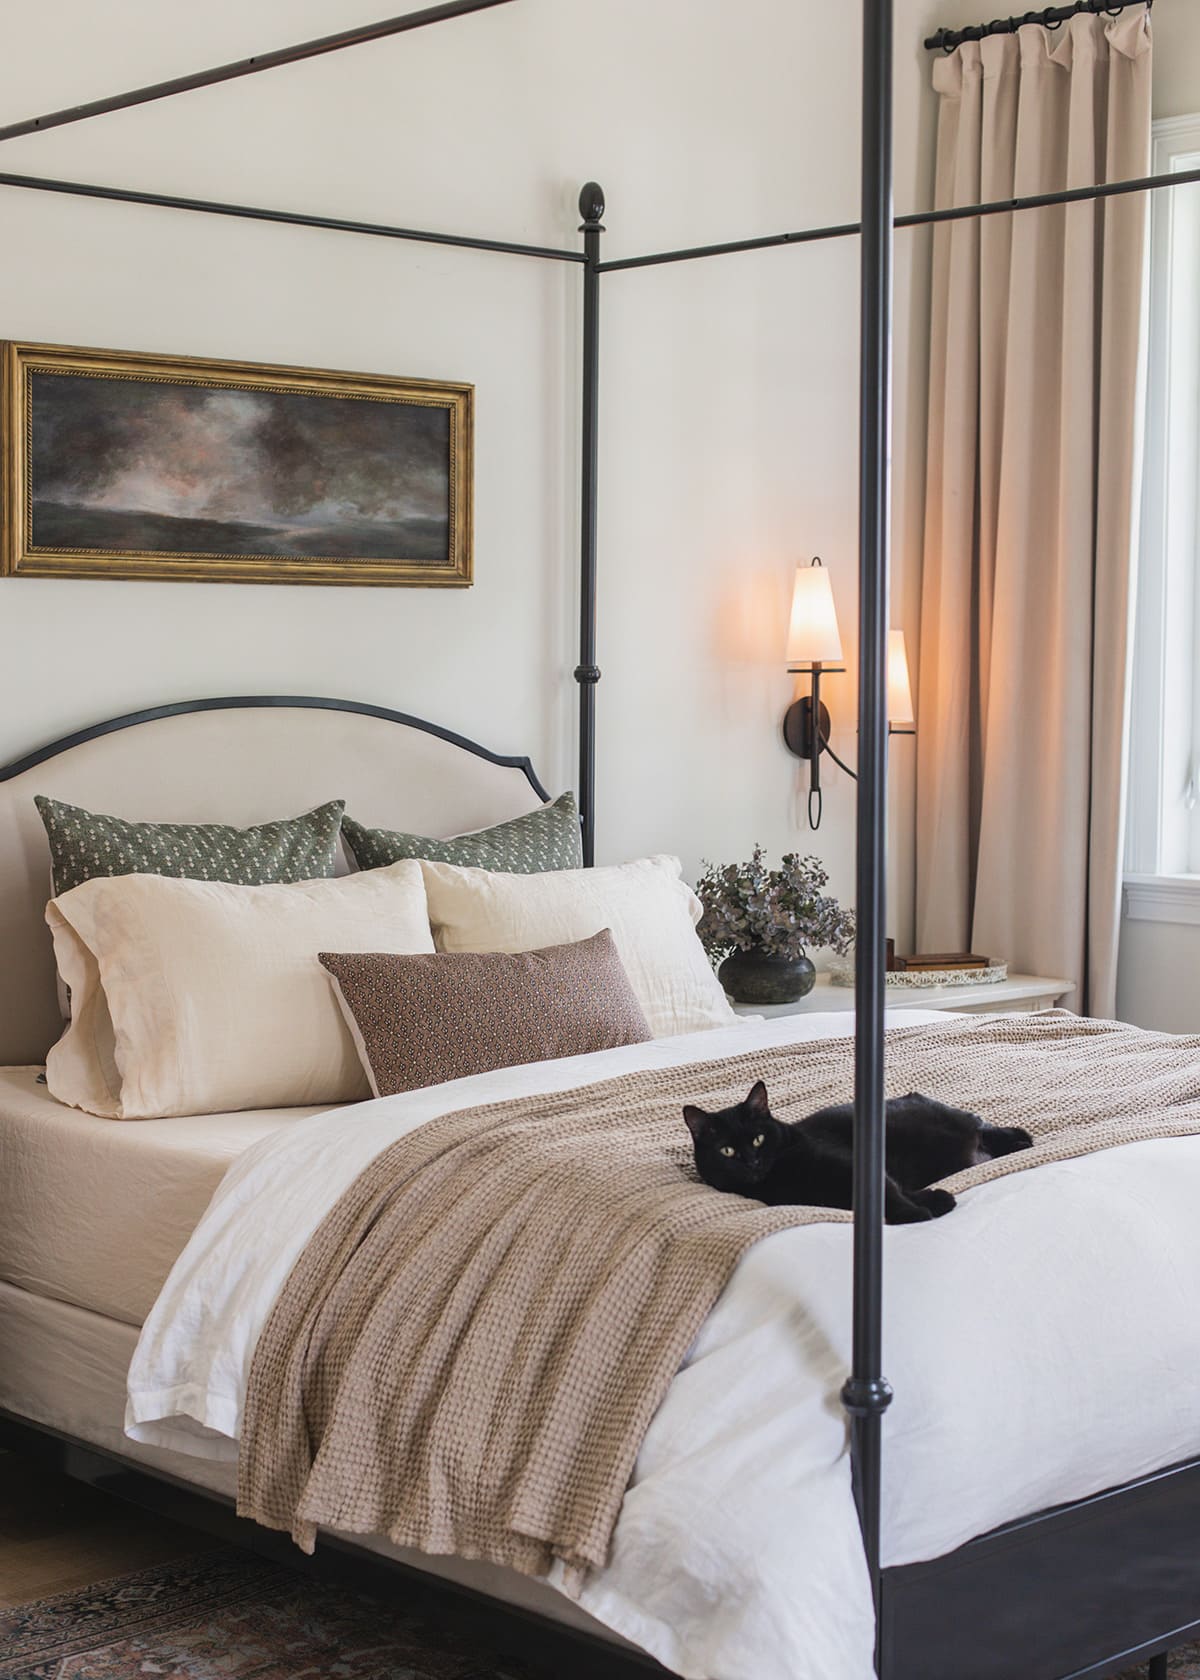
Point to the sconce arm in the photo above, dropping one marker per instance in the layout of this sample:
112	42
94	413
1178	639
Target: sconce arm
841	764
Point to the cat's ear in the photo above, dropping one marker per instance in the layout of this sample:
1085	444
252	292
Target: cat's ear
694	1119
757	1100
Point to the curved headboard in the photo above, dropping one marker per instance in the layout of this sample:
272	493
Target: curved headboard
239	760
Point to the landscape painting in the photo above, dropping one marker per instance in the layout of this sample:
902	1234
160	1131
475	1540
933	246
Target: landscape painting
136	466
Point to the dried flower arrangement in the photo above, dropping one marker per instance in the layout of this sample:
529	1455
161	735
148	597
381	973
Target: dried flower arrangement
776	912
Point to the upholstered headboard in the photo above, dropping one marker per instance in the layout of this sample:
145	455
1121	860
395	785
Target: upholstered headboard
241	761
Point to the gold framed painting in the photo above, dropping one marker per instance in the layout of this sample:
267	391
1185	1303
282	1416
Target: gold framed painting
124	465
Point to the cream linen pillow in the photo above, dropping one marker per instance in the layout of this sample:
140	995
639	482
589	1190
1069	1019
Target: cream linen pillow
196	997
651	911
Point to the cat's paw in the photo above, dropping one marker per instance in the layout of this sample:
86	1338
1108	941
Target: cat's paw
911	1213
939	1202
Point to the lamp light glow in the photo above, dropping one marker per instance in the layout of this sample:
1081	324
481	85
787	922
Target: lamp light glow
813	635
901	717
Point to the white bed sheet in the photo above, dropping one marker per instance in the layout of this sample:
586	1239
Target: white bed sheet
1042	1341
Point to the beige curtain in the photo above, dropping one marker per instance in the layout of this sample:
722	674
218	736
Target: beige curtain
1034	424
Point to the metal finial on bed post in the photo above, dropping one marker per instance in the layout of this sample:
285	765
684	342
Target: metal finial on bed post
587	673
867	1395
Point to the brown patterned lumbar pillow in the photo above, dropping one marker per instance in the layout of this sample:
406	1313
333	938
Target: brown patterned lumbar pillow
420	1020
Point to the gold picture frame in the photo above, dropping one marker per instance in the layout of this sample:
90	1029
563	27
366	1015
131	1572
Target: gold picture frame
120	464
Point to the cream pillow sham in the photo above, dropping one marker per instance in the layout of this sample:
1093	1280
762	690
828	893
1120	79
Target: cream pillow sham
649	908
197	997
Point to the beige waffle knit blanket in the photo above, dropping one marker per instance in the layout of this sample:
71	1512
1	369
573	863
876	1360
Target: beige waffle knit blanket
468	1353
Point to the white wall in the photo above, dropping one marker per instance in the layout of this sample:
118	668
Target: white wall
729	387
1158	978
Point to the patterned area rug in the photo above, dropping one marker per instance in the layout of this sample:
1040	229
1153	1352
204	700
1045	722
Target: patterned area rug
226	1615
1184	1664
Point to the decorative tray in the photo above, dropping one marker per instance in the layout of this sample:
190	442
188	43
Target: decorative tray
842	974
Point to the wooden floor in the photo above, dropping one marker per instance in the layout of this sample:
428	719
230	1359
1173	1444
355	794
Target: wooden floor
57	1534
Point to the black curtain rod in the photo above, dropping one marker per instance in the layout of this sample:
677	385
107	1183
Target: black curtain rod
251	66
921	218
1053	17
293	218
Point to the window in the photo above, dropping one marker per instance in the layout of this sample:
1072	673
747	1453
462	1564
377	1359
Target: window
1162	842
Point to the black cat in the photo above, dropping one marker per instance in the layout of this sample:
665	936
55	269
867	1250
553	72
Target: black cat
746	1151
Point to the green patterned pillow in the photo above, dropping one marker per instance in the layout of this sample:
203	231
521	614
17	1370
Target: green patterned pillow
83	844
545	839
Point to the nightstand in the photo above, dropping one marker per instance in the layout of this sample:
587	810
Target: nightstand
1027	993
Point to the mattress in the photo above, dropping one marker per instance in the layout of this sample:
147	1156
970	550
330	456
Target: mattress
95	1212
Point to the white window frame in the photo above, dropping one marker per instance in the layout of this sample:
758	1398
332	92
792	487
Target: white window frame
1162	835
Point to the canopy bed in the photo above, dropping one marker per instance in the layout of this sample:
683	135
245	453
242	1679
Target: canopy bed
1074	1587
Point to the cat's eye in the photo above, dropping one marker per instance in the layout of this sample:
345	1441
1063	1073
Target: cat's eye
759	1141
727	1149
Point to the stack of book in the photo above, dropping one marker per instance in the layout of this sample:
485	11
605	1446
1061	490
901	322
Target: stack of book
941	961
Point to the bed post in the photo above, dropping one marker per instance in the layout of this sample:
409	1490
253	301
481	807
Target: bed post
867	1394
587	674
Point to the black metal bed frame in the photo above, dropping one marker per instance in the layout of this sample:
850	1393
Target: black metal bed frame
280	702
1075	1593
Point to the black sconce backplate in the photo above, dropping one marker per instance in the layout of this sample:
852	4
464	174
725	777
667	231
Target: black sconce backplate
797	726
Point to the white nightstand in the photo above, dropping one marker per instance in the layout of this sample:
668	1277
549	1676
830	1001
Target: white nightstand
1028	993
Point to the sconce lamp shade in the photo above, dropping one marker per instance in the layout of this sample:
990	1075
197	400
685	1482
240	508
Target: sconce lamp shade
813	637
899	688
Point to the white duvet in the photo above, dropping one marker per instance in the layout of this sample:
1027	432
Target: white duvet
1043	1342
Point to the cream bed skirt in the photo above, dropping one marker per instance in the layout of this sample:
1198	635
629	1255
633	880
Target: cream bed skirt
64	1367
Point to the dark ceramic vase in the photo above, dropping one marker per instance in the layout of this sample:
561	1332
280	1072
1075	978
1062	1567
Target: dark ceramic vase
755	977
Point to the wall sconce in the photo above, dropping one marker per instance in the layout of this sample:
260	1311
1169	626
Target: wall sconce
901	716
815	649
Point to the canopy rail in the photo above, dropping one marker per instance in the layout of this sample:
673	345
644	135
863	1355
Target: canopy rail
317	48
291	218
552	253
913	219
